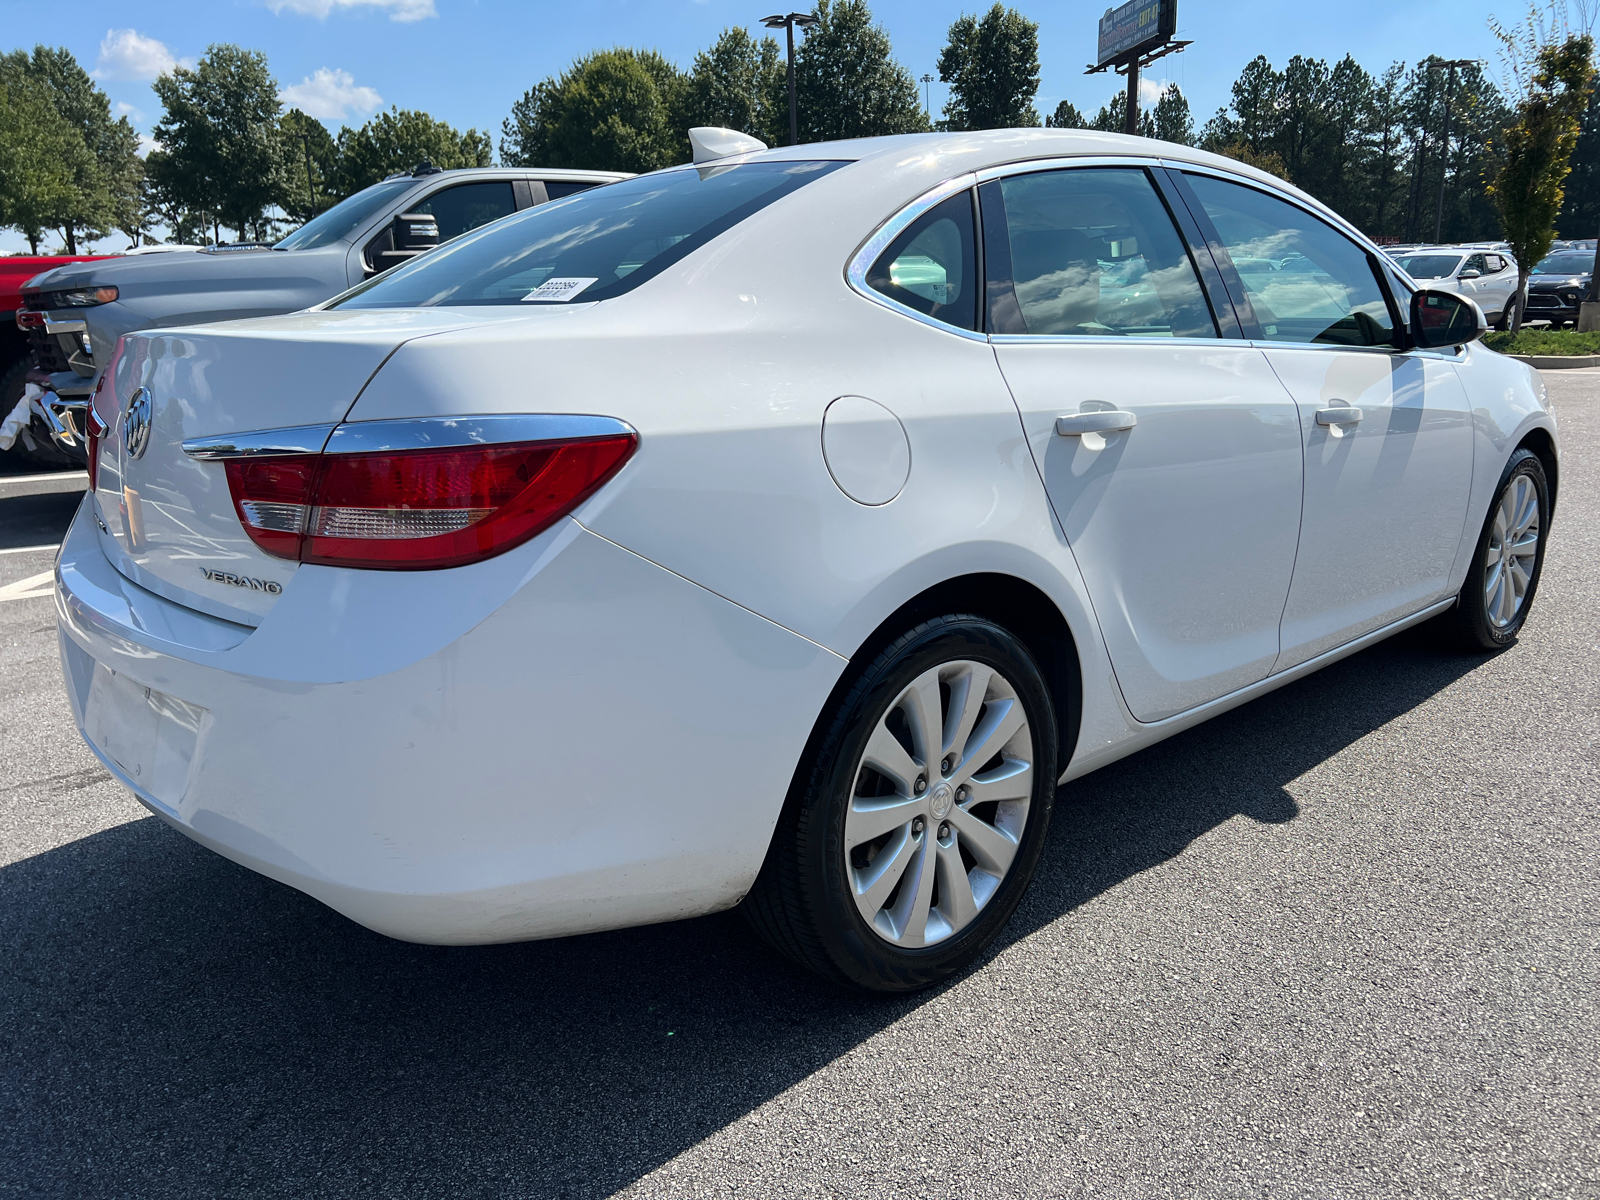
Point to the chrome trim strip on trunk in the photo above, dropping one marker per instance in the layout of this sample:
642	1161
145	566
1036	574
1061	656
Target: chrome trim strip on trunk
262	443
432	433
408	433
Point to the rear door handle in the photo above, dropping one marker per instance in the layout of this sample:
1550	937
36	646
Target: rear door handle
1338	416
1094	422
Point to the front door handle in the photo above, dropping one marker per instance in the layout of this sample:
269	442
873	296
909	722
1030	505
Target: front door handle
1338	416
1094	422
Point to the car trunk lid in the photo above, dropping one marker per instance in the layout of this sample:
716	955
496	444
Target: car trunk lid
167	519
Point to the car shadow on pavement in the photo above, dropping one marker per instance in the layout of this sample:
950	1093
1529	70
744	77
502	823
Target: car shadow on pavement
174	1025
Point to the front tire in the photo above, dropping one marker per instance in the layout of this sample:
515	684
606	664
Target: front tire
917	821
1506	564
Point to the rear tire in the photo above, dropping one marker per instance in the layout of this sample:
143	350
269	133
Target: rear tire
1507	561
891	884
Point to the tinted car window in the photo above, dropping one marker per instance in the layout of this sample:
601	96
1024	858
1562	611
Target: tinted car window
468	205
1306	281
933	266
1093	251
557	190
1429	266
592	246
345	217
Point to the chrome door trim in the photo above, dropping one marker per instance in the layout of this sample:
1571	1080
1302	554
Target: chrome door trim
1282	192
489	429
1107	339
861	261
259	443
1061	163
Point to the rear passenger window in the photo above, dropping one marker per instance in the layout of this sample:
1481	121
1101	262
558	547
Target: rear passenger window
1306	281
1093	252
468	205
557	190
932	267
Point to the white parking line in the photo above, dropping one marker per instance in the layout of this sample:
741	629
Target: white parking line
29	588
31	549
45	475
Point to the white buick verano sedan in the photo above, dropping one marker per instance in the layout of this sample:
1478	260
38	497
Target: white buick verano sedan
779	530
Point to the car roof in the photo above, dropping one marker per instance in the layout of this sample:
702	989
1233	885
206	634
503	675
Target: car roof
935	157
553	174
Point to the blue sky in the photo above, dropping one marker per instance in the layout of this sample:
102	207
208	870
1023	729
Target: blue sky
467	61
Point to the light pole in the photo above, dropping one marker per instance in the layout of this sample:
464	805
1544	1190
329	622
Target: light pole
927	100
1454	65
311	188
788	22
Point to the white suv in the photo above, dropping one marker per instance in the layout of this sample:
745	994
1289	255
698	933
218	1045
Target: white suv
1488	276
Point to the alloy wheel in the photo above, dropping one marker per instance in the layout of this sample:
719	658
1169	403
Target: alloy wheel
1512	551
939	803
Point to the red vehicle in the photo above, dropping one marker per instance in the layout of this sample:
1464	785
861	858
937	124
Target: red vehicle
15	350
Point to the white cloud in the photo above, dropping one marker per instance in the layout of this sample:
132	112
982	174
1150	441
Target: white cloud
125	109
331	96
128	54
398	10
146	144
1150	89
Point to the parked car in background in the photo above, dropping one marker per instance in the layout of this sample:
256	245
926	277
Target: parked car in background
779	530
1488	276
15	361
75	313
1558	286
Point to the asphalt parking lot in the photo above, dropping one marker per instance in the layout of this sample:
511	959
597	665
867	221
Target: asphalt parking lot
1338	943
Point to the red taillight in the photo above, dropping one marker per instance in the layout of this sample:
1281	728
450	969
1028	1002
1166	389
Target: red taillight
411	509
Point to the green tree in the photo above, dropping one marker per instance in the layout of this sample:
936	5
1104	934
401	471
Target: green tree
1113	117
310	169
847	83
106	180
732	86
1554	80
399	140
1066	116
41	156
992	67
1171	117
611	110
221	150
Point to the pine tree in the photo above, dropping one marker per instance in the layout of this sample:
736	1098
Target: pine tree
1066	116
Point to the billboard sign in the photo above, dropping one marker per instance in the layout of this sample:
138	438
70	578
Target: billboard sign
1135	27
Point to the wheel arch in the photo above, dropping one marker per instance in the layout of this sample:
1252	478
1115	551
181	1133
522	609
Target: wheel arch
1543	446
1021	607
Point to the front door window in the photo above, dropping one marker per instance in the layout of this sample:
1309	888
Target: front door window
1306	281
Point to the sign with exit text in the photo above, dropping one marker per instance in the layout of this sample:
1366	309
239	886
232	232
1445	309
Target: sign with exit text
1135	27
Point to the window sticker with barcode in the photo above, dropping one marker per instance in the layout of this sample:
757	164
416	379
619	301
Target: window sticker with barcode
560	290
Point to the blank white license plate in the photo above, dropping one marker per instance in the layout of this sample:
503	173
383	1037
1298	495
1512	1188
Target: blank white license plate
148	734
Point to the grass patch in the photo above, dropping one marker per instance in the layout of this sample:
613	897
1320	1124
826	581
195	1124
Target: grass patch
1544	341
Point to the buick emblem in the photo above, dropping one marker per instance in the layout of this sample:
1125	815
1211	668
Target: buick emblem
136	423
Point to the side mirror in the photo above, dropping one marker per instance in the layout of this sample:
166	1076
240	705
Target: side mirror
415	232
1470	273
1441	319
407	236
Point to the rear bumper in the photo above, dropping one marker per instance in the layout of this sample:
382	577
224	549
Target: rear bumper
563	739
